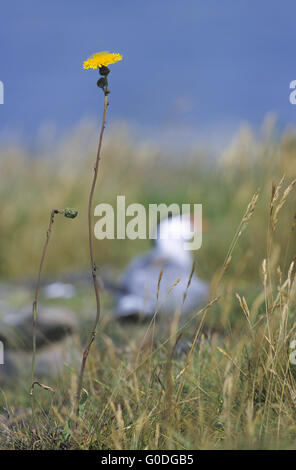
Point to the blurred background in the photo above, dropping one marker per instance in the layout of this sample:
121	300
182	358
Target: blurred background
199	113
191	70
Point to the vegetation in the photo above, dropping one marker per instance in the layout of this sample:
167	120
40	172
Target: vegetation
235	386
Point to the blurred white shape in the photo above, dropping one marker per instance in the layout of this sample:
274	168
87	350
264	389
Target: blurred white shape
1	93
1	353
58	290
140	283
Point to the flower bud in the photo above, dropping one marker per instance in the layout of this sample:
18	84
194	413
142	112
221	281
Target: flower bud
101	83
104	70
70	213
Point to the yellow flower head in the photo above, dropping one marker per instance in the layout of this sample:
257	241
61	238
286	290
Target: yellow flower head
100	59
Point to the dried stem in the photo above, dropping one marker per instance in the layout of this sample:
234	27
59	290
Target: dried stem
93	264
48	233
35	302
70	214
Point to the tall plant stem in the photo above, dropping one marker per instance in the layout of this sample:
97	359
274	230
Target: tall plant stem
92	262
35	302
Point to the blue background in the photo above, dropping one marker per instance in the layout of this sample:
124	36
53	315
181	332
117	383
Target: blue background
201	66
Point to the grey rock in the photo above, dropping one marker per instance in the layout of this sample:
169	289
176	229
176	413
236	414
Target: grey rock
8	370
54	359
53	324
59	290
50	361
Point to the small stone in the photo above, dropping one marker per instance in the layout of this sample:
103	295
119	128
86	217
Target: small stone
53	324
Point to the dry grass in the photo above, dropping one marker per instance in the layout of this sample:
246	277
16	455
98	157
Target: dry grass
235	388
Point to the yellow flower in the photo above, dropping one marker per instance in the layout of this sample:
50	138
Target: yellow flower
101	58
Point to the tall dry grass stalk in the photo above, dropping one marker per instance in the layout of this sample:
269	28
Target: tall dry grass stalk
240	230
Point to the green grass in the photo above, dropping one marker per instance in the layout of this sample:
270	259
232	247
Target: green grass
237	388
